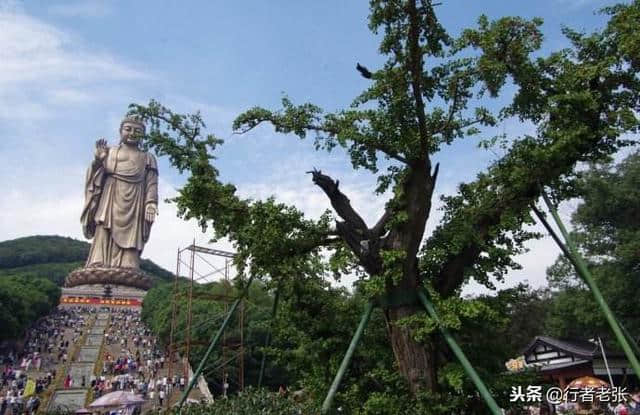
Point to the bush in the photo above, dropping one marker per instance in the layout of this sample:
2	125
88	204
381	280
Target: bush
251	402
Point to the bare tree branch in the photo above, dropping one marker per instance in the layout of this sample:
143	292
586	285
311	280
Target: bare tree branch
353	230
339	201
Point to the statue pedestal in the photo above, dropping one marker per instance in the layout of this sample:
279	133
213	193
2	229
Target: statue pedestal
105	287
130	277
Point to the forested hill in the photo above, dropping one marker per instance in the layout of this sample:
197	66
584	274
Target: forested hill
53	257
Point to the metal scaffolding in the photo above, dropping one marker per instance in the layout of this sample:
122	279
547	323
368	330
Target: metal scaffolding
199	269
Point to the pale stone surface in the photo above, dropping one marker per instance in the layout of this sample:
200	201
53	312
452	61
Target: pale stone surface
121	198
68	400
88	354
78	370
94	340
101	323
97	330
133	277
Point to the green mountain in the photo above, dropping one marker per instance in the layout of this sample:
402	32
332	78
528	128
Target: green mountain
53	257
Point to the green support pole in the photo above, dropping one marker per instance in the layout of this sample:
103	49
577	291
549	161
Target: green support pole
471	372
213	343
630	339
583	271
326	405
268	339
573	261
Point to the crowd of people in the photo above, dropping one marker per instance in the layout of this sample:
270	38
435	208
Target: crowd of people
133	361
29	368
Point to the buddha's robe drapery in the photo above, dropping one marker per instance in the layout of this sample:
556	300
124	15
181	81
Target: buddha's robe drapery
116	195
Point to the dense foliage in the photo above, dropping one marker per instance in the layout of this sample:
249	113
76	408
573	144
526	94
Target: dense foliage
23	300
41	249
55	272
251	402
314	322
312	329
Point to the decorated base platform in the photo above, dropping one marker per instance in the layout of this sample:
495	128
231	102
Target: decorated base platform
102	295
105	287
130	277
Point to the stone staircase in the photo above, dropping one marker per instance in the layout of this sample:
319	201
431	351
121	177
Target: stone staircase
87	353
82	366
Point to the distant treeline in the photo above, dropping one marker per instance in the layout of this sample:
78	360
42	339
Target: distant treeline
53	257
41	249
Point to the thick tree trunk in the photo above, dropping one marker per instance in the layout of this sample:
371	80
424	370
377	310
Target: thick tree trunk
416	361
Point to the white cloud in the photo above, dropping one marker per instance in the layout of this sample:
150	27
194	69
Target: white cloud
311	200
69	96
85	8
542	253
44	68
32	50
32	208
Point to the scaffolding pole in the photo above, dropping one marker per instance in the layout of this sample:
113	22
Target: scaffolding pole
189	314
267	341
213	343
173	316
188	343
328	401
241	353
224	334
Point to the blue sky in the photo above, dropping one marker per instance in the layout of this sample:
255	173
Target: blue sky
68	70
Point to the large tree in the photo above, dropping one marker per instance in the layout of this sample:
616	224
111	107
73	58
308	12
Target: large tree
427	94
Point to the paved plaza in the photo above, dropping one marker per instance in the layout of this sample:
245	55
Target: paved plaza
68	400
94	340
88	354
